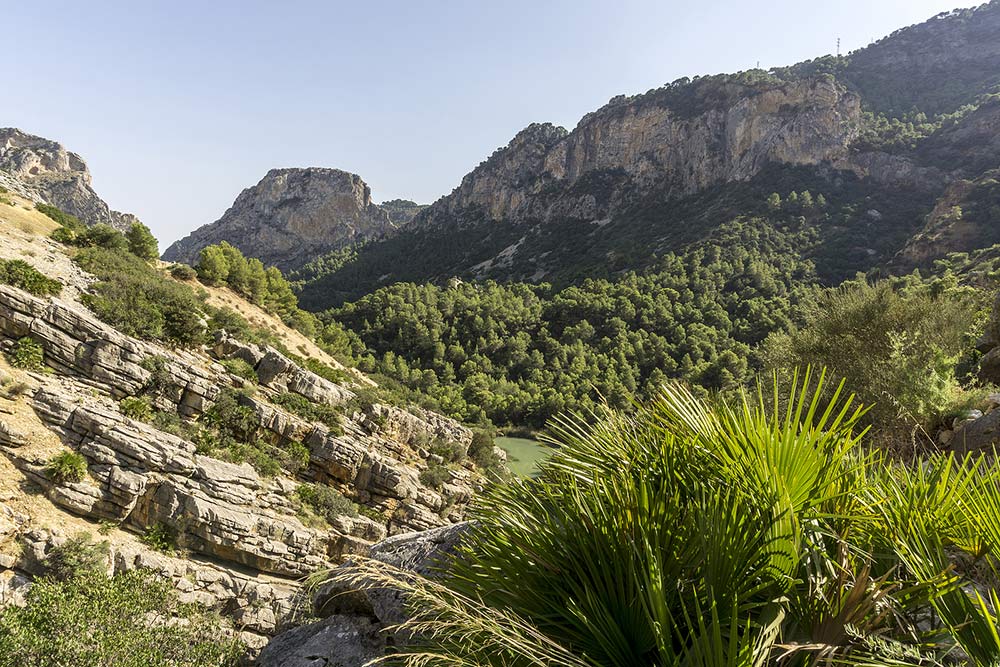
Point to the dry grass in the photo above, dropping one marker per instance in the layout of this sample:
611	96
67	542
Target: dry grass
21	215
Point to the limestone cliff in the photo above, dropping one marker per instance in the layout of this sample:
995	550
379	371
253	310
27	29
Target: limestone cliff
635	145
292	216
43	170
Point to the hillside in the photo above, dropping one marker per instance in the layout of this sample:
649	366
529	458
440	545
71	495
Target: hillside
200	443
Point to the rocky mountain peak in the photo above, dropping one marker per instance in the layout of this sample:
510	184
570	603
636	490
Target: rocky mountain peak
291	216
43	170
682	138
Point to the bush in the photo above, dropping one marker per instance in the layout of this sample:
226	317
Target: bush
315	412
326	501
334	375
136	407
231	418
896	348
449	450
434	475
483	453
160	537
69	225
135	298
19	273
233	434
27	354
102	236
112	622
66	466
77	557
240	368
160	377
293	456
183	272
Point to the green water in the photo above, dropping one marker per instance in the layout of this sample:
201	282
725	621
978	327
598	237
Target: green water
523	454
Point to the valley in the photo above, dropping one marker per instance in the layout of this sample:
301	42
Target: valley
711	378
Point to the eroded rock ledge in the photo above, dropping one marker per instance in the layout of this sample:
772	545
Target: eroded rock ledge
248	546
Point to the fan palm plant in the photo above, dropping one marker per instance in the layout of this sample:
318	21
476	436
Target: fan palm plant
684	533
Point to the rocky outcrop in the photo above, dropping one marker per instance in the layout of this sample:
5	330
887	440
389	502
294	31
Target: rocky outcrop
354	626
401	211
292	216
245	533
727	131
257	603
43	170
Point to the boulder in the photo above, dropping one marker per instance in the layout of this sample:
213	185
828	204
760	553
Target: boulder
354	628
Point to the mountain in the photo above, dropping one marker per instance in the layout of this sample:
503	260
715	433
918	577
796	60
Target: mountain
294	215
43	170
882	133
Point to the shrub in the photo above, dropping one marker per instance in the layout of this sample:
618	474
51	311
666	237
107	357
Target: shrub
160	537
15	390
141	242
102	236
481	445
317	412
27	354
107	526
183	272
240	368
897	348
232	419
434	475
326	501
449	450
66	466
112	622
753	532
160	377
79	556
335	375
70	225
293	456
258	454
135	298
19	273
136	407
483	453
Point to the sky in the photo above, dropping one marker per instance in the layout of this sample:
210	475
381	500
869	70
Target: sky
177	106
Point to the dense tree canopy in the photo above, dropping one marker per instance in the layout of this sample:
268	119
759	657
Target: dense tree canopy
519	354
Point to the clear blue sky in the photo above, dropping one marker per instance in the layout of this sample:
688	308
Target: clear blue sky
179	105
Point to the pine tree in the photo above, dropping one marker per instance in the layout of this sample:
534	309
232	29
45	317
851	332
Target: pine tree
141	242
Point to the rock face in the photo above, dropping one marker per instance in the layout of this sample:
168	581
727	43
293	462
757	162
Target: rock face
249	546
638	144
401	211
292	216
43	170
353	629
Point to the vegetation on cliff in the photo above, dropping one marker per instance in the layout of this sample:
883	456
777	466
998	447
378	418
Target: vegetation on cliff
78	615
